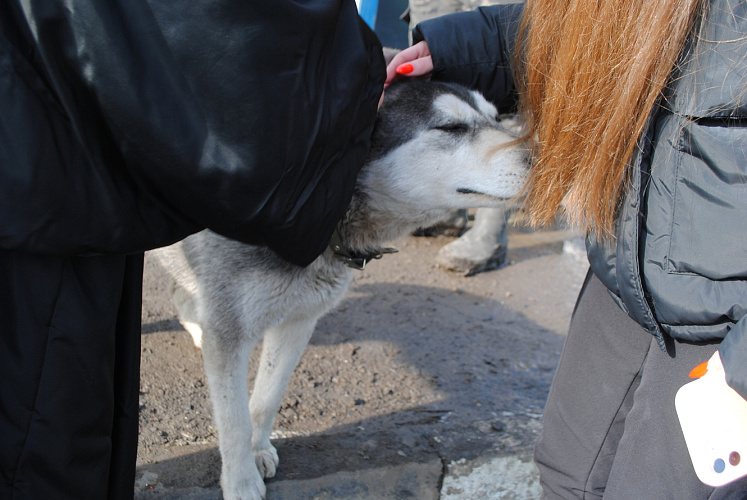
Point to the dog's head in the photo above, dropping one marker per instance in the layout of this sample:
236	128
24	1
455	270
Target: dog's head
442	146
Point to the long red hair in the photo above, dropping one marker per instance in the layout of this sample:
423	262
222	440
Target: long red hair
591	72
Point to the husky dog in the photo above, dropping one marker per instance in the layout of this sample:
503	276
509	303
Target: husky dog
436	147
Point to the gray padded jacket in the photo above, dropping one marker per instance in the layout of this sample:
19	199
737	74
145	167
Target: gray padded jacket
679	266
679	263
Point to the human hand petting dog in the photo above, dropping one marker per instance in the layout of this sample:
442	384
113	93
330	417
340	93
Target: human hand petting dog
412	61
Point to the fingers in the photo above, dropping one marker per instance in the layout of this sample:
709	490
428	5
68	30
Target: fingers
413	61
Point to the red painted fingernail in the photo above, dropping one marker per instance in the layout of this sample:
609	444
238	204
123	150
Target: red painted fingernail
699	370
404	69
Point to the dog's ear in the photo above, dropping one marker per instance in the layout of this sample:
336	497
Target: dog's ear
389	54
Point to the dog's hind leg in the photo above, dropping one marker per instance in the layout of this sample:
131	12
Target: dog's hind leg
226	366
281	351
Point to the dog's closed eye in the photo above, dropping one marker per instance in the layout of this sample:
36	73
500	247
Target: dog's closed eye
453	127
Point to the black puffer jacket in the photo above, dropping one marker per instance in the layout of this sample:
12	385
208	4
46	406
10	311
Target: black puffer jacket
127	125
679	266
140	122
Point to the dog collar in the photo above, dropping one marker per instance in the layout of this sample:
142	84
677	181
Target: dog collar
354	259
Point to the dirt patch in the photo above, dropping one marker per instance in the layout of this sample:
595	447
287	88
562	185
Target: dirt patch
416	363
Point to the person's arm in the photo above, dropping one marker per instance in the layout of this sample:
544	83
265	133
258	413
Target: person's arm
473	48
249	118
733	351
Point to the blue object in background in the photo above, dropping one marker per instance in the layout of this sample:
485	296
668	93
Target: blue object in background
368	10
384	17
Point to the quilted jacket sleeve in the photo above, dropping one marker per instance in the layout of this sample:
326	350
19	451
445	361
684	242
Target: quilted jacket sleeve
733	351
130	124
476	49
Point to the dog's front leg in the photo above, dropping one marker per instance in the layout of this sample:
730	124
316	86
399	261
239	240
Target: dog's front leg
281	351
226	365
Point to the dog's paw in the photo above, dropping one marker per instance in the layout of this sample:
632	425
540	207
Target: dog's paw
243	486
267	461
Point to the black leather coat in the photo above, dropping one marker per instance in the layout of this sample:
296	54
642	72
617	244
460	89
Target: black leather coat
127	125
